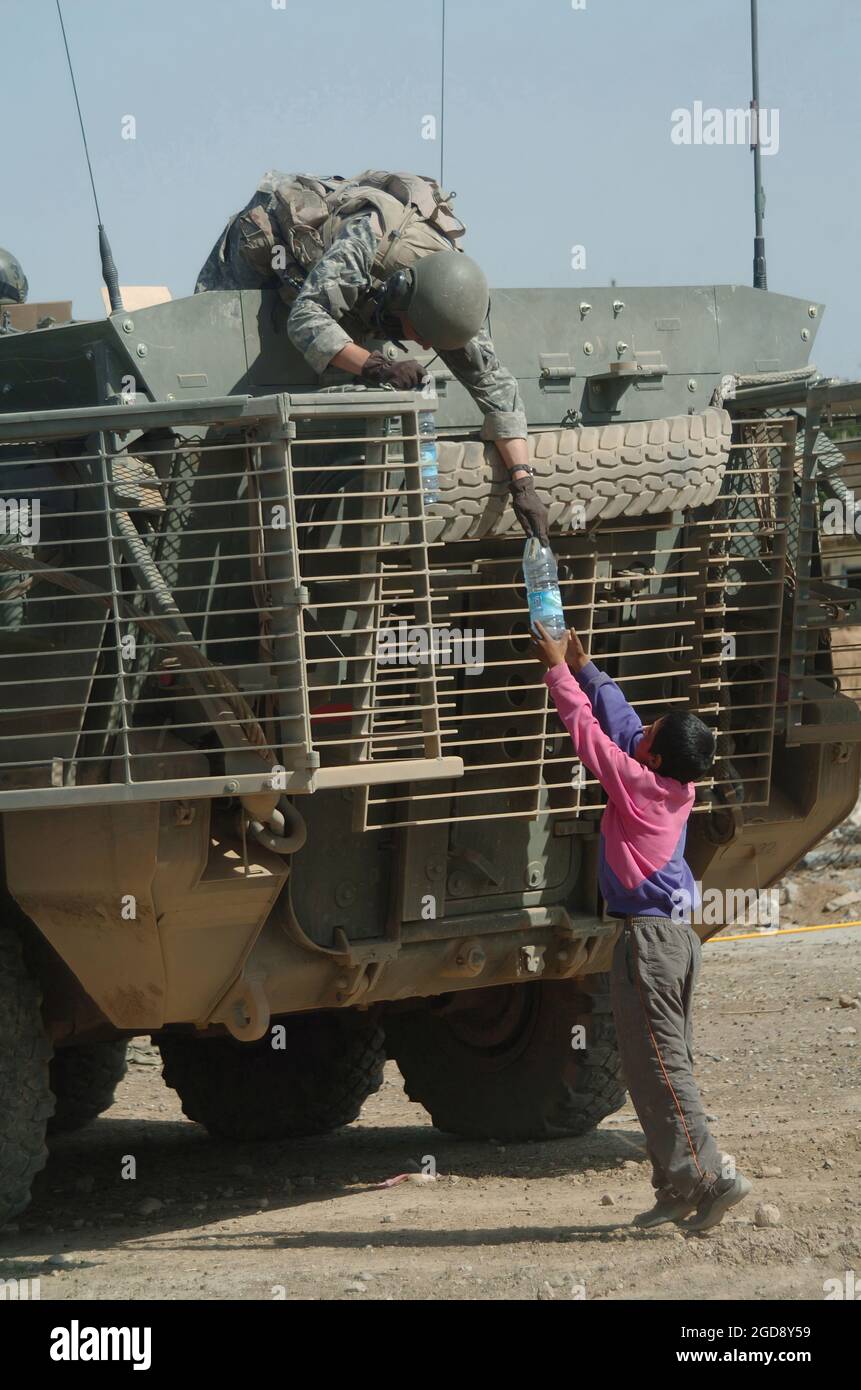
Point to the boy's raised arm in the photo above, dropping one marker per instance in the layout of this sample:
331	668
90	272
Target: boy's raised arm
616	771
617	718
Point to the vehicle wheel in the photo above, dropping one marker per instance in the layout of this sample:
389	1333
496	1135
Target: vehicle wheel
640	468
84	1080
25	1094
317	1082
507	1069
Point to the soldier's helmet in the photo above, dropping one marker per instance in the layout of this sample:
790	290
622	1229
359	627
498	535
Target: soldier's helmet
445	296
13	281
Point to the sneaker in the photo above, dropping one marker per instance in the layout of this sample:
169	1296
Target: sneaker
712	1209
668	1207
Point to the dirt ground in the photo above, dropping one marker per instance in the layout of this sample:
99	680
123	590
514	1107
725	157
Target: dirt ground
778	1063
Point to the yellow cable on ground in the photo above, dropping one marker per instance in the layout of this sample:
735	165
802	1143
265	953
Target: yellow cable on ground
781	931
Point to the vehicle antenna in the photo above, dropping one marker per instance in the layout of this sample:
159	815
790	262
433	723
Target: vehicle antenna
760	278
109	270
442	101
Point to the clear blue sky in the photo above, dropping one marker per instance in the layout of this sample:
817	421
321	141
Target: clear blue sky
557	133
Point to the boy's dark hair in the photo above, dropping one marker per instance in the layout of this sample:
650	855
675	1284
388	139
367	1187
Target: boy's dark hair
686	746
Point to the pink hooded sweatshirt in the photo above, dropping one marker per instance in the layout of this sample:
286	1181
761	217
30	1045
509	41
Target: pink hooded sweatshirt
642	869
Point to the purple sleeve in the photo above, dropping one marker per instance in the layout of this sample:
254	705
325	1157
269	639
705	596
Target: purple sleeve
624	780
618	720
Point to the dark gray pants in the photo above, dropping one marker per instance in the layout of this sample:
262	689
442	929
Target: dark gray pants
655	965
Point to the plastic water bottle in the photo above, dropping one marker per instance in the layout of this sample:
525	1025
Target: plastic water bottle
428	456
542	587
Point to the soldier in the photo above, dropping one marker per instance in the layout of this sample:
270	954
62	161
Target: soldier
35	503
13	281
376	256
14	584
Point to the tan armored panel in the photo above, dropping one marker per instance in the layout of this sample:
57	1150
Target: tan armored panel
25	317
139	297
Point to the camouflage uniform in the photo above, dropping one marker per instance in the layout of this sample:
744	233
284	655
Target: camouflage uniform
37	483
334	307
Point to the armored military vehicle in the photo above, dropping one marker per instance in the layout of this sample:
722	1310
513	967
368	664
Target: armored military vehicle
260	798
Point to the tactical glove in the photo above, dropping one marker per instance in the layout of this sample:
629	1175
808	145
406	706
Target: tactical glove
528	507
404	376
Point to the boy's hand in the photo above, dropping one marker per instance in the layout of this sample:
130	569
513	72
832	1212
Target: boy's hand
577	658
550	651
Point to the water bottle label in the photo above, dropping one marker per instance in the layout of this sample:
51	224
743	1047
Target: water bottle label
545	607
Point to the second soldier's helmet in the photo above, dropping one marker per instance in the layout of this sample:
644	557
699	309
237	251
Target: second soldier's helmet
13	281
444	296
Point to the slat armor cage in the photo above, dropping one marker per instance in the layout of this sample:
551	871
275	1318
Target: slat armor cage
221	597
680	609
156	573
826	611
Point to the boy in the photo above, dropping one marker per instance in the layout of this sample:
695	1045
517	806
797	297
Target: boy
648	775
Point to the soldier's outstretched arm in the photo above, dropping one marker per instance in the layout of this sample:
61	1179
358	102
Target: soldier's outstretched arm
492	387
497	395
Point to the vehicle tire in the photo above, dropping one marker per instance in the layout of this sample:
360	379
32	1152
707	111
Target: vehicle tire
84	1080
591	471
26	1101
510	1070
317	1082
